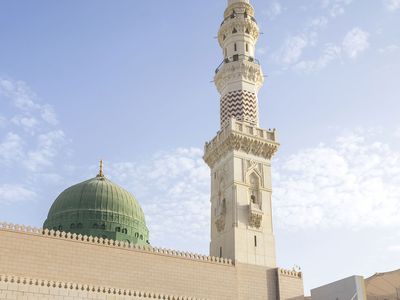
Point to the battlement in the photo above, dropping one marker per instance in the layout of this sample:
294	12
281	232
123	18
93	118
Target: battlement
241	136
290	273
14	283
111	243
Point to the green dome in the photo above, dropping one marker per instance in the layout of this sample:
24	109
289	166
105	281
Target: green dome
99	207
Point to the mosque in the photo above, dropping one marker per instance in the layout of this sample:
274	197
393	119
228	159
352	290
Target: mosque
94	243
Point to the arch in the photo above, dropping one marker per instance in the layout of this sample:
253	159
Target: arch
125	231
254	181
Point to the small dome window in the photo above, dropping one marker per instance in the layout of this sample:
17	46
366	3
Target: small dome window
136	235
125	231
141	237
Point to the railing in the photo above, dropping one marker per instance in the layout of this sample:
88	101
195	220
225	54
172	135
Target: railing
237	57
235	15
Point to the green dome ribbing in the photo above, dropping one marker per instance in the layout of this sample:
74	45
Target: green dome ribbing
99	207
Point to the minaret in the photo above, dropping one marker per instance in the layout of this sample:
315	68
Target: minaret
240	155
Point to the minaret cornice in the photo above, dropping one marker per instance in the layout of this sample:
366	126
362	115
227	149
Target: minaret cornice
239	7
234	71
241	136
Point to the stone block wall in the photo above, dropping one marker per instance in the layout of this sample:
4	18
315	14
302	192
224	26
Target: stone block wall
92	267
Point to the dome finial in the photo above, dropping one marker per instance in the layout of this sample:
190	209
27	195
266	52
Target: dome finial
101	174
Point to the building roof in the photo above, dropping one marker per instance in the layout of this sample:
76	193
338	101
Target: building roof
99	207
385	285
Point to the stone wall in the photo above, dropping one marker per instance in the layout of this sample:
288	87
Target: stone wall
63	259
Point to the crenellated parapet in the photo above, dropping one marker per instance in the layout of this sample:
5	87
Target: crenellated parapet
241	136
111	243
290	273
19	281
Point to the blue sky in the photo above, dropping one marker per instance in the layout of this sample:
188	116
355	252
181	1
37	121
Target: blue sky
130	82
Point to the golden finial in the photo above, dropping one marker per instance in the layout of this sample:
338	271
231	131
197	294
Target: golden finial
101	174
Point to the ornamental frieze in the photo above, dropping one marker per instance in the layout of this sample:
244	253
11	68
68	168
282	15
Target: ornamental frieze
236	141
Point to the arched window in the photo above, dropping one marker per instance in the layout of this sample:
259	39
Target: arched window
234	30
118	229
141	237
247	47
125	231
136	235
254	189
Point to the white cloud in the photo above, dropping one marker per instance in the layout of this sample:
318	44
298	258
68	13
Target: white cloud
11	149
319	22
392	5
355	42
274	9
389	49
24	99
336	7
34	140
292	50
394	248
352	183
48	147
11	193
174	190
330	54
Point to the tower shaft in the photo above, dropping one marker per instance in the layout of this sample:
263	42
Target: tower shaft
240	155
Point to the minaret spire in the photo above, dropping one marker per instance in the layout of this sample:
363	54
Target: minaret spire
239	77
101	173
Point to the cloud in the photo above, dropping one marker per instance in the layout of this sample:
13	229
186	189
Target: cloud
48	147
274	10
174	190
292	50
11	193
389	49
394	248
353	182
392	5
11	149
355	42
3	121
34	139
336	7
330	54
26	101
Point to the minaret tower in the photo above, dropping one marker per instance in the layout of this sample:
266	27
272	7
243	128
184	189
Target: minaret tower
240	155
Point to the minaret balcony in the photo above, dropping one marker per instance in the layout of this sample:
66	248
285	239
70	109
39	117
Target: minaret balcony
237	57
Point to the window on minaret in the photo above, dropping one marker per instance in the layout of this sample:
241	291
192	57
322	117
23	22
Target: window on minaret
220	252
235	47
254	189
255	241
247	47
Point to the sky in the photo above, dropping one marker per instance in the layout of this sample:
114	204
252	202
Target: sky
131	82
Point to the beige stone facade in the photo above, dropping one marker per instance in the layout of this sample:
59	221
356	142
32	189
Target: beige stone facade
96	269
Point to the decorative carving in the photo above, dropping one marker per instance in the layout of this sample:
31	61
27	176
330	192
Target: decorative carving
220	223
230	139
239	7
241	25
239	70
255	220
